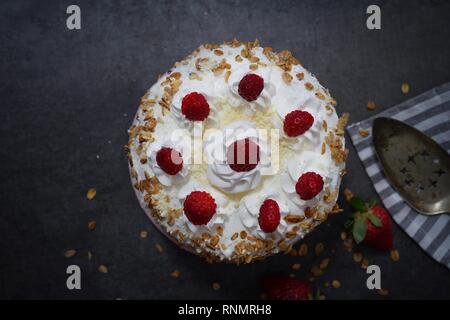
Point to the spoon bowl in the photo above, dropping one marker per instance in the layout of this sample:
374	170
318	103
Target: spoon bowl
416	166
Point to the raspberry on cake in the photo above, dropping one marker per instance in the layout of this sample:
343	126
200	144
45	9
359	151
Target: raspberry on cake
195	107
258	192
243	155
169	160
251	86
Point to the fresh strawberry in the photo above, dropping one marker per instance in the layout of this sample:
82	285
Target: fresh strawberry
269	216
250	87
195	107
371	225
309	185
297	122
286	288
169	160
243	155
199	207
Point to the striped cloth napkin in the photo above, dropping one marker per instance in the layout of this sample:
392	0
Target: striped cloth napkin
429	113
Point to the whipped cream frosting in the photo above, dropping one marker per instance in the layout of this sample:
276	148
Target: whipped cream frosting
215	72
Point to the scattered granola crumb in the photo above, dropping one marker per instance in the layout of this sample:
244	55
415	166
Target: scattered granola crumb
143	234
92	225
363	132
89	255
316	271
395	255
364	263
343	235
303	250
216	286
159	248
324	263
348	194
175	274
405	88
296	266
91	193
336	284
318	249
70	253
357	257
383	292
371	105
102	268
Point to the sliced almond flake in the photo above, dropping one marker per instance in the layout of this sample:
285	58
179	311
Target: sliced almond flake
143	234
309	86
175	274
363	132
405	88
91	193
336	284
395	255
92	225
70	253
218	52
371	105
159	248
102	268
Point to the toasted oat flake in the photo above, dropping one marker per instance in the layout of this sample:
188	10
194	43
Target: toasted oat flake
70	253
296	266
102	268
253	66
234	236
316	271
395	255
243	234
371	105
175	274
238	58
300	76
216	286
218	52
92	225
405	88
363	132
336	284
91	193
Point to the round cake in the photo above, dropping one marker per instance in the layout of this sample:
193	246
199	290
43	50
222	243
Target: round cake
237	152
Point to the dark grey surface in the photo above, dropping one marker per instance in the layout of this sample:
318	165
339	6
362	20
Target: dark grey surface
67	99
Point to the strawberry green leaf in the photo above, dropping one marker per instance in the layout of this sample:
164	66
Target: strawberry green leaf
375	220
358	204
359	229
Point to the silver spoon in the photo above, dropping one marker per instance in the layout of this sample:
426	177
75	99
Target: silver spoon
415	165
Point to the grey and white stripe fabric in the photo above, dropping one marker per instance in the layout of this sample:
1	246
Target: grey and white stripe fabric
429	113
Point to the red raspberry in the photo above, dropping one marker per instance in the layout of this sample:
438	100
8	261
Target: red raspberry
269	216
309	185
243	155
250	87
297	122
195	107
170	160
199	207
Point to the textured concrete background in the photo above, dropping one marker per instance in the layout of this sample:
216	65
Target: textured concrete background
67	99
